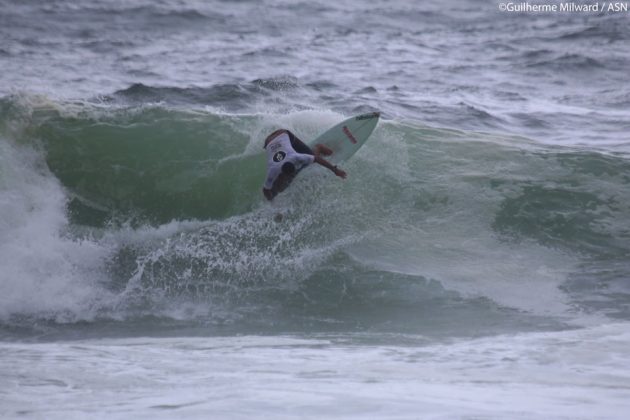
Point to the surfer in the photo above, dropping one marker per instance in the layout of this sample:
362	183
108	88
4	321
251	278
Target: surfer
287	155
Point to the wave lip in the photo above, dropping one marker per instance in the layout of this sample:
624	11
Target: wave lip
227	96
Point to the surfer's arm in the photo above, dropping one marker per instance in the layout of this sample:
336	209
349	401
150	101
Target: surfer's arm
268	194
299	146
268	188
340	173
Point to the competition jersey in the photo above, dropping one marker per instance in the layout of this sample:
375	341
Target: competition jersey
280	151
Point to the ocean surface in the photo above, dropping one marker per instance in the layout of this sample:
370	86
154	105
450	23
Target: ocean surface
473	265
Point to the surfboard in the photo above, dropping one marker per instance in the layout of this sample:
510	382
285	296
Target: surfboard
347	137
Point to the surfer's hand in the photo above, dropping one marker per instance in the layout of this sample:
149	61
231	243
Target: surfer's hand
340	173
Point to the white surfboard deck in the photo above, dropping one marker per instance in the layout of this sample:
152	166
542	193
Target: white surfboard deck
347	137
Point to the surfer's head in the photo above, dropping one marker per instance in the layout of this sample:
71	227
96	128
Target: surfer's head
288	168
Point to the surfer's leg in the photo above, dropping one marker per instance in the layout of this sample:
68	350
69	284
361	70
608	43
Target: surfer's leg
320	149
298	145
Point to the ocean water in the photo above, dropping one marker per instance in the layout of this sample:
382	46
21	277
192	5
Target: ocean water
473	265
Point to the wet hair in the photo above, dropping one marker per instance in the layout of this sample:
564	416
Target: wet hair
288	168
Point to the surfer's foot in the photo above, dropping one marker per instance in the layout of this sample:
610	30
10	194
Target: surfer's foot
323	150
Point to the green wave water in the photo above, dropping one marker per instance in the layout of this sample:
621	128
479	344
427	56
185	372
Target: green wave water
434	228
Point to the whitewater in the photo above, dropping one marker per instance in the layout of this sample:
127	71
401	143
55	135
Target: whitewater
474	264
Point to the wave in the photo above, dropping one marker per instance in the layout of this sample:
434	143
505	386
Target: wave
226	96
577	62
609	30
127	212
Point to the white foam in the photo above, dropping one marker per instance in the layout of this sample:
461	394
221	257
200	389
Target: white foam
43	271
579	374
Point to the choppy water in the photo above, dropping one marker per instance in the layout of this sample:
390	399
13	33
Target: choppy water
473	264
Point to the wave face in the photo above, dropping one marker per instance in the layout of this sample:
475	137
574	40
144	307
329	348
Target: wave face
153	215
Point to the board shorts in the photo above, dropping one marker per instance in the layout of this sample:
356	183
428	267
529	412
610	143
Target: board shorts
298	145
